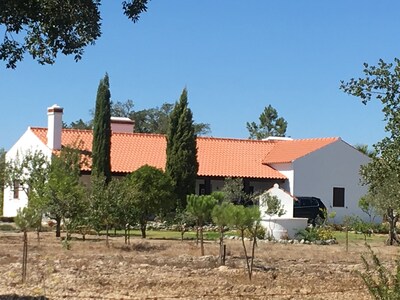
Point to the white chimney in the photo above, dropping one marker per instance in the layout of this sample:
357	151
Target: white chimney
119	124
54	126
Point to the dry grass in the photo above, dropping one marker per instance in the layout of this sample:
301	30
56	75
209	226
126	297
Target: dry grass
165	269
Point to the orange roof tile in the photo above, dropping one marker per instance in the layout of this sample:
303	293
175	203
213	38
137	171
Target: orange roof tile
288	151
216	156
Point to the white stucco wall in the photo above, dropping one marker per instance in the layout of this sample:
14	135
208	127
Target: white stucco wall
287	170
28	142
335	165
285	198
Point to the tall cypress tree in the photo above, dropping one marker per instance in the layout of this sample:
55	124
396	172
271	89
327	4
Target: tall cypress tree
182	163
101	162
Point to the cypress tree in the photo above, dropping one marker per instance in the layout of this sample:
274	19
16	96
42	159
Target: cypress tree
182	163
101	162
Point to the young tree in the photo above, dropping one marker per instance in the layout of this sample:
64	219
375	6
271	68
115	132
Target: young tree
26	219
200	207
64	193
270	125
246	218
29	171
101	162
182	163
46	28
221	217
382	174
102	207
151	191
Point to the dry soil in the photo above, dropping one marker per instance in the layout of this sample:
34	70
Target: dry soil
169	269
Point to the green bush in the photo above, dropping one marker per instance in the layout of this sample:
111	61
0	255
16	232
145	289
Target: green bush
7	227
309	234
260	233
318	233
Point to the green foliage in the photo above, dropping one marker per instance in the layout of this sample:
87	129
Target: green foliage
27	219
182	164
380	281
364	149
200	207
366	205
151	192
246	218
270	125
358	225
45	28
382	82
317	233
260	233
101	161
233	191
221	213
102	207
273	205
63	192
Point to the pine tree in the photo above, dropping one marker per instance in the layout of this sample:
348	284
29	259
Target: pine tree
182	163
101	162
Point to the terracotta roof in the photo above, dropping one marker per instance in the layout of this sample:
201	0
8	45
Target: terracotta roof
289	151
216	156
234	158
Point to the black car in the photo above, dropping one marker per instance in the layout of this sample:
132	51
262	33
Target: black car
311	208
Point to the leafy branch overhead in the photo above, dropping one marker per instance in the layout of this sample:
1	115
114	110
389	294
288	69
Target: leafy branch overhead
45	28
381	174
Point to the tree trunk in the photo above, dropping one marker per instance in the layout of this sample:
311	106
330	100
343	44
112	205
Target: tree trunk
221	246
245	253
392	220
107	229
24	256
253	250
201	241
143	229
58	227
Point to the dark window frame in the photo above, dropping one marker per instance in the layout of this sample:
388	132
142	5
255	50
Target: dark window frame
339	197
16	188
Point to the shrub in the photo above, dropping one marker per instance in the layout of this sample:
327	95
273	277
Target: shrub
381	282
260	233
312	234
309	234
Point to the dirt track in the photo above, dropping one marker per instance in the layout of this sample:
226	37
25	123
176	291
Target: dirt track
158	269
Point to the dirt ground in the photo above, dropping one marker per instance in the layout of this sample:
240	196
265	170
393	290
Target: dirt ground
165	269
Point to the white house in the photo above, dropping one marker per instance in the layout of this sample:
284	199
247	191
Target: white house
327	168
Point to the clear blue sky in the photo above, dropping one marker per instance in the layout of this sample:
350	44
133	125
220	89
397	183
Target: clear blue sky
235	57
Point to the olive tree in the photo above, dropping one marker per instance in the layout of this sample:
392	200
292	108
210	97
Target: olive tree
151	192
382	174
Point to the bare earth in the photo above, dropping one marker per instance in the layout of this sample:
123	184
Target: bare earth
162	269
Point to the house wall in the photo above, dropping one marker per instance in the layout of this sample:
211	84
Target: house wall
287	170
336	165
27	142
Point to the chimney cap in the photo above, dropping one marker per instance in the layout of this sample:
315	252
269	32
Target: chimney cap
55	108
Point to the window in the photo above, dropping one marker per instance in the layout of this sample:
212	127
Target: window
16	189
338	197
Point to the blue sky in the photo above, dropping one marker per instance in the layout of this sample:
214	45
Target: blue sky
235	57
